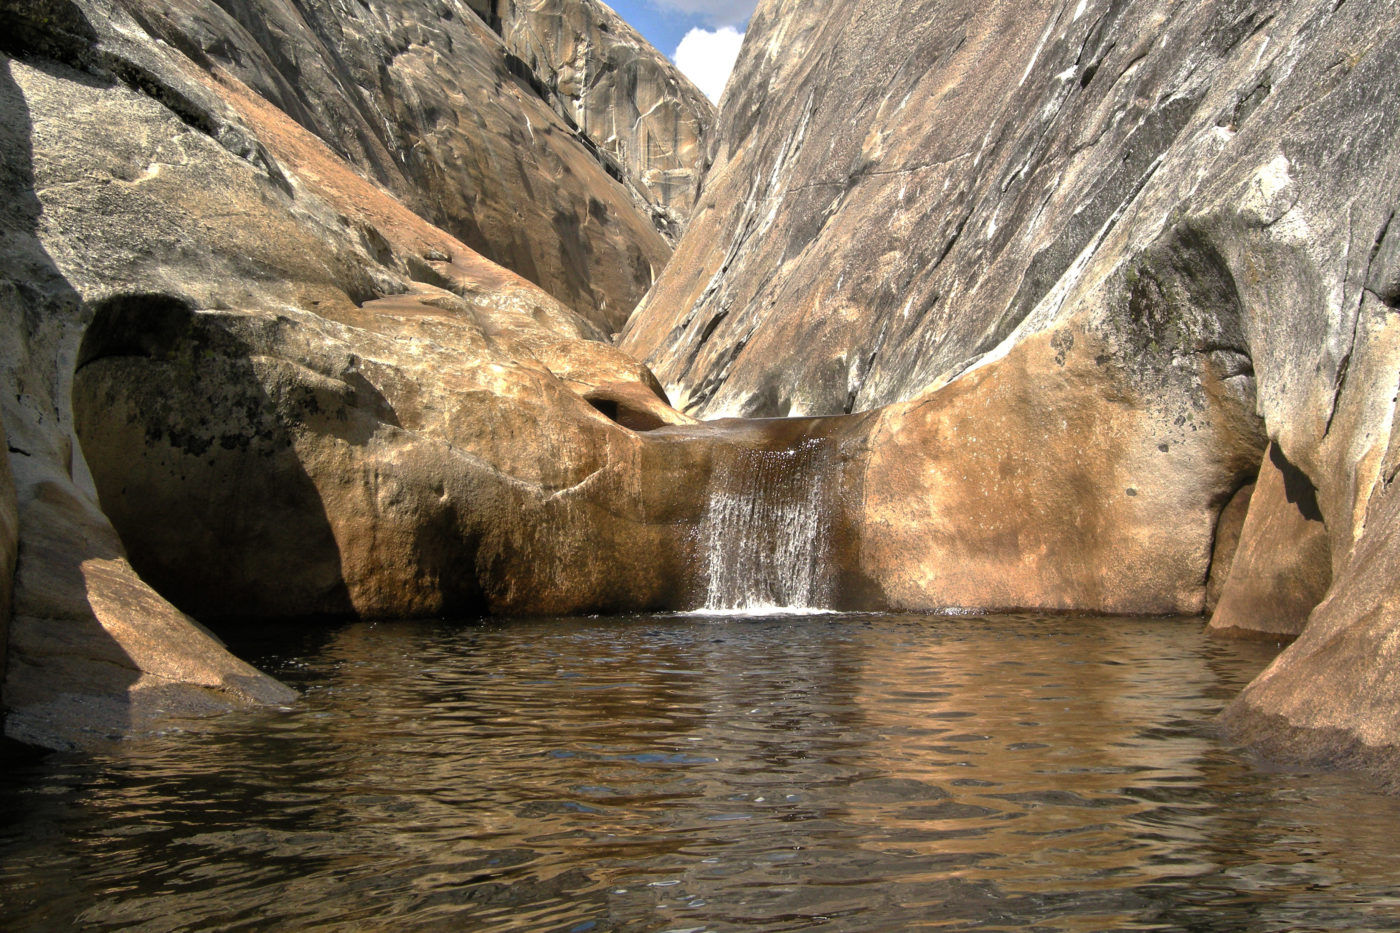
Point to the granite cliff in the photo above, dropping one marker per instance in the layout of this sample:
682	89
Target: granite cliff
1092	268
645	118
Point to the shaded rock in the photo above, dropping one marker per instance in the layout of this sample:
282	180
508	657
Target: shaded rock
9	547
93	651
1283	566
1226	546
1330	697
645	117
205	292
421	98
404	468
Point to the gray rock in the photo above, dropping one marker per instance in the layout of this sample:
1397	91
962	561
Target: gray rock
1160	233
645	117
9	547
422	98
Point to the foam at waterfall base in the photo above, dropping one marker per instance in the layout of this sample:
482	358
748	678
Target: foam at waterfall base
765	612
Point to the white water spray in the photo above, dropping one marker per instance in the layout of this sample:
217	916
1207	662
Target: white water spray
766	534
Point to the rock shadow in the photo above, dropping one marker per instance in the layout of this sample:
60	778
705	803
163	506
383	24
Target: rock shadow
57	661
196	465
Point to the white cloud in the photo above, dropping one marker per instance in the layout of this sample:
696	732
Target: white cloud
707	57
714	12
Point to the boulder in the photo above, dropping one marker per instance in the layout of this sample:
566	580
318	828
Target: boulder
286	466
1050	479
645	117
1283	565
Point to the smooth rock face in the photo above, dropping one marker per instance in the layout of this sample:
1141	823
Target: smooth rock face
646	117
1076	250
1226	546
1330	697
420	96
1283	565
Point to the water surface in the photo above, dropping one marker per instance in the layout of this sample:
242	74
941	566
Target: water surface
672	773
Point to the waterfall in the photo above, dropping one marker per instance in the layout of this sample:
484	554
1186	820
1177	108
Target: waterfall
765	534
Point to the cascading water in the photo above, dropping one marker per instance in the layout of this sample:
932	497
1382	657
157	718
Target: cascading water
766	533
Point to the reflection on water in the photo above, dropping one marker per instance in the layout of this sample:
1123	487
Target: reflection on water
668	773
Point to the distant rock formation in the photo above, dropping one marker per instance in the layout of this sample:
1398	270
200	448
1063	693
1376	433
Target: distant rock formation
1082	263
647	120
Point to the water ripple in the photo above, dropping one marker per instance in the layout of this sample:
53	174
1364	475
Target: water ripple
673	773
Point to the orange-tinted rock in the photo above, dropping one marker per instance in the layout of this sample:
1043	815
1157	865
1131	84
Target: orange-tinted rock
1283	566
912	211
1044	480
206	293
1329	698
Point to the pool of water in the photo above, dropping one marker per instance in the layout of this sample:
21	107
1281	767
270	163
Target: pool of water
679	773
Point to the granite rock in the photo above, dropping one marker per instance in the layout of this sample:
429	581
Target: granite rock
645	117
9	548
1282	567
422	98
196	289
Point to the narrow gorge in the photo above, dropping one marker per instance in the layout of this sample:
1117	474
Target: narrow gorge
319	312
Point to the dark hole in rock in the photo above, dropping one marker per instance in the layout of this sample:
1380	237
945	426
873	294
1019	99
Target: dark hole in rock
633	419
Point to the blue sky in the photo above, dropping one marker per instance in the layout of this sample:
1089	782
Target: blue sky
711	30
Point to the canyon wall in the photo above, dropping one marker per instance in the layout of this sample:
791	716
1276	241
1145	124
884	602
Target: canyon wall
645	117
1084	263
423	98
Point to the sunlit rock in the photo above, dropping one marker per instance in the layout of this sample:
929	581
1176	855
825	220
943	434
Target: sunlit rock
1282	567
290	394
421	98
649	123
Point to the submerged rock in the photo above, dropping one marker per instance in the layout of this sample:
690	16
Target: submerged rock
1092	259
